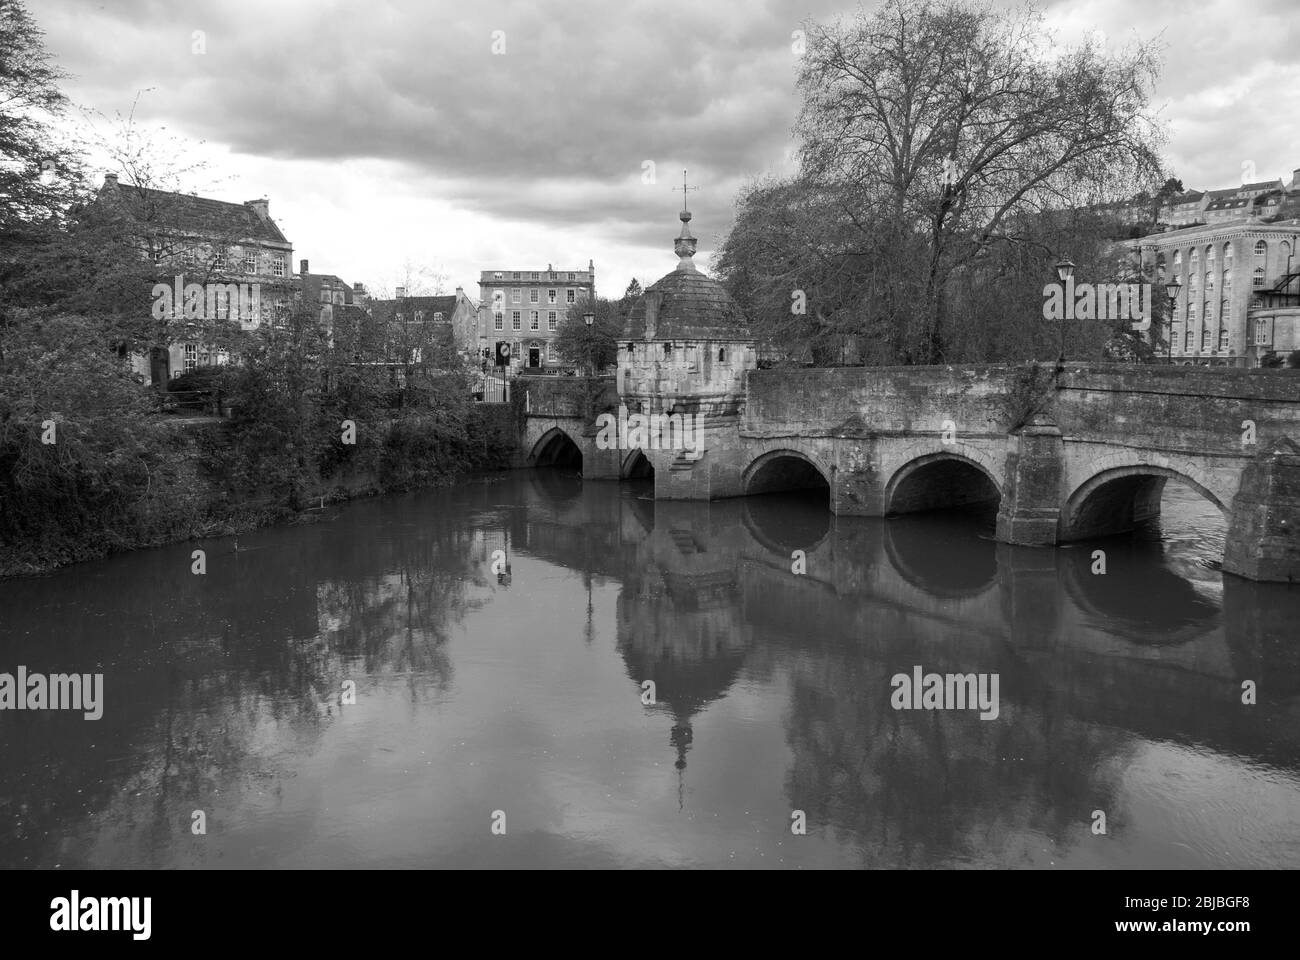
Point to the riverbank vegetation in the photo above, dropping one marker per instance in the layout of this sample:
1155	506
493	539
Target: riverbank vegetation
324	403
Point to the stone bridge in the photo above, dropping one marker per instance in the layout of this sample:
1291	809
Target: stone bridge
1076	455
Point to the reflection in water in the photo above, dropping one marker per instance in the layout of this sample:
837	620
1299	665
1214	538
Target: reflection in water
478	690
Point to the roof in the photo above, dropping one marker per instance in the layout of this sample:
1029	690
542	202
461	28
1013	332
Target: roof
430	305
1222	194
1262	185
692	306
312	283
190	214
1229	204
1191	196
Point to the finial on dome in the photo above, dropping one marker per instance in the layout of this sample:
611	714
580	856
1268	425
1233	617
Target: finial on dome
684	246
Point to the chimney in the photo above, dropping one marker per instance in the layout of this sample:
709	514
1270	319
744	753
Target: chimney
359	288
302	267
260	207
110	179
1295	179
401	292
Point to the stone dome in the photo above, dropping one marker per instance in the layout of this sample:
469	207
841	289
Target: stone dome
686	304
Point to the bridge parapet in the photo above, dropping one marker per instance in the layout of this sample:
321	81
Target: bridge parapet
868	401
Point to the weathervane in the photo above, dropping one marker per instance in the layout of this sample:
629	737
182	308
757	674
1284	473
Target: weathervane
685	188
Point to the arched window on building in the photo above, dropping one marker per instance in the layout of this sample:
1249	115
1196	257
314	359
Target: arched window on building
1261	249
1257	278
1178	260
1209	281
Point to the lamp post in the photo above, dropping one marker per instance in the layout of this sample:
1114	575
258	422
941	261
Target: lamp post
589	318
1064	270
1172	288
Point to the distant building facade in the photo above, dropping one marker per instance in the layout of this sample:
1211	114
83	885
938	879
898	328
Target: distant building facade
455	313
208	242
1240	295
525	307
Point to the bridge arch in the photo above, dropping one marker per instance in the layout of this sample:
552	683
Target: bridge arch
784	469
949	477
556	448
1119	495
636	466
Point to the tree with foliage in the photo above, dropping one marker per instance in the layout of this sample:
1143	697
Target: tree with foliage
633	290
594	347
39	175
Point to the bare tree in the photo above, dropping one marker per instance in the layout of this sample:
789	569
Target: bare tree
932	123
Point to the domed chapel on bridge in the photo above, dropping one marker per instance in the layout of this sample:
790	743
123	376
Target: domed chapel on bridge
685	349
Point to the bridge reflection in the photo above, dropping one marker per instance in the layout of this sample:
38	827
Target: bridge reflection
1087	662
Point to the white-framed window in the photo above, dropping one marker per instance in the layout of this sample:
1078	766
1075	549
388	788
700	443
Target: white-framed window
550	296
1209	281
1227	279
516	295
1191	316
437	316
419	316
1188	341
552	318
250	261
1178	258
277	266
1209	258
1261	332
498	321
570	296
533	295
1257	277
570	277
1227	252
219	260
191	356
1256	302
1261	249
498	276
515	320
532	320
1205	338
550	350
1223	337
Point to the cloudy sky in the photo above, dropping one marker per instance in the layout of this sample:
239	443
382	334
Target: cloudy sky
388	132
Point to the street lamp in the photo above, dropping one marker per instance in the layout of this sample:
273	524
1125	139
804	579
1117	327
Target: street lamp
1173	287
589	318
1064	270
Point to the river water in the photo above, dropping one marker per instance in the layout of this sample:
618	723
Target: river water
368	691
